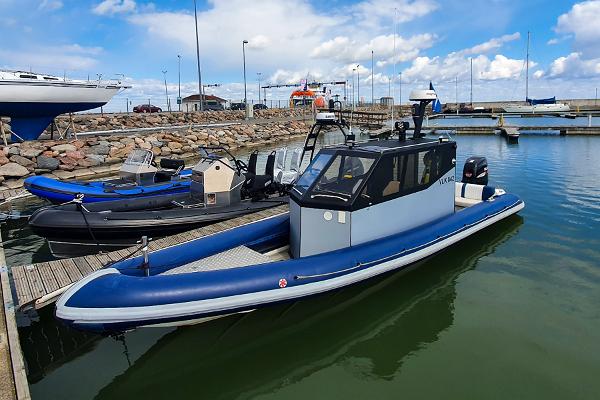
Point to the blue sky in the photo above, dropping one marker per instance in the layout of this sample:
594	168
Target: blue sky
324	40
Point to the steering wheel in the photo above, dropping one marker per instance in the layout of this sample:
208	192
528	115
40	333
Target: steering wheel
241	166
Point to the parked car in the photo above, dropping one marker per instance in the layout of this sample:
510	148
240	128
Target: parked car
259	106
237	106
146	108
213	106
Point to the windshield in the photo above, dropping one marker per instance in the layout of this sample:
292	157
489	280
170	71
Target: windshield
139	156
342	178
312	172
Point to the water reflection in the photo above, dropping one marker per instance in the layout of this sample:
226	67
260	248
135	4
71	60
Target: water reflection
384	321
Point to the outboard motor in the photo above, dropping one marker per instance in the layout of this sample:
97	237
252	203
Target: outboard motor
215	182
475	171
138	167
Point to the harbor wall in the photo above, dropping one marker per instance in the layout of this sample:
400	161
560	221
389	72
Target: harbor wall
86	158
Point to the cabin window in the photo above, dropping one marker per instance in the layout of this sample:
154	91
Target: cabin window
28	76
342	178
49	78
404	173
312	172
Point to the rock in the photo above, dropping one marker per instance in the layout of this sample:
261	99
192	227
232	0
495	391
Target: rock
64	147
165	151
26	162
66	167
13	151
100	149
3	160
122	152
78	143
175	145
156	151
77	155
95	159
30	152
63	174
145	146
14	183
49	163
13	169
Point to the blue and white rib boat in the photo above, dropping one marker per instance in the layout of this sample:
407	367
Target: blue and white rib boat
358	211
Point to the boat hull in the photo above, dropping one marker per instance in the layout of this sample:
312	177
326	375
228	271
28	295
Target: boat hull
117	299
538	108
69	232
33	105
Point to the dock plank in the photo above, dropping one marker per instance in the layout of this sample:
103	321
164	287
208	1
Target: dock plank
49	281
33	282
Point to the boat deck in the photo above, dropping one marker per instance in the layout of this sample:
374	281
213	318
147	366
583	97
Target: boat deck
37	285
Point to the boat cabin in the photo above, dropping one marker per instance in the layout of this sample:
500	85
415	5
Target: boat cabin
358	192
216	181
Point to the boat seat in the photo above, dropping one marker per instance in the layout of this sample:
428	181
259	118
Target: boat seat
468	194
169	167
280	158
290	176
261	183
391	188
251	170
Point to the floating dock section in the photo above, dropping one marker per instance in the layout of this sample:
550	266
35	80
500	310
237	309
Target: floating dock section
38	285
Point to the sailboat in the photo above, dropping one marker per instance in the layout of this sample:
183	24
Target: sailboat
536	106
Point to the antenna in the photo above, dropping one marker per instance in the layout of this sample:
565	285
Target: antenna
527	70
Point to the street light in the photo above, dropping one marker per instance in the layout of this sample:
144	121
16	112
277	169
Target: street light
244	43
400	102
179	76
259	74
198	60
166	92
353	98
358	83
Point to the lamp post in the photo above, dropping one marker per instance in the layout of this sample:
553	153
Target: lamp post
179	78
166	92
353	98
259	74
372	71
244	59
400	100
358	84
198	60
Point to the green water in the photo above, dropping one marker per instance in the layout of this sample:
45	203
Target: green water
511	312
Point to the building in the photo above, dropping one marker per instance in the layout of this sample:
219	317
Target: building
192	103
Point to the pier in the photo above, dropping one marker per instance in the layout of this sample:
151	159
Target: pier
13	377
38	285
484	130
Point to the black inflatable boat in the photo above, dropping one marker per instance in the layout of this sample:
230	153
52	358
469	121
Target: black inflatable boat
220	189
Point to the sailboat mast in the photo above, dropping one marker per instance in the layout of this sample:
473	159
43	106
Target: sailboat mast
527	70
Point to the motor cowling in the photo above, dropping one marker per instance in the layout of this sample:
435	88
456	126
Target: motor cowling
475	171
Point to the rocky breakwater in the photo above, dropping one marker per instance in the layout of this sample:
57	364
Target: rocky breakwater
86	158
105	122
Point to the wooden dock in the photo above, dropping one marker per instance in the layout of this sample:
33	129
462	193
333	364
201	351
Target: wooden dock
479	130
38	285
13	377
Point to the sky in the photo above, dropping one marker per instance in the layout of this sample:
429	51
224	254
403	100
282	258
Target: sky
435	40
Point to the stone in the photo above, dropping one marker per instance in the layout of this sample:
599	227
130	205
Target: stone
77	155
64	147
48	163
100	149
122	152
30	152
66	167
14	183
156	151
145	146
175	145
13	169
3	160
13	151
63	174
96	159
78	143
165	151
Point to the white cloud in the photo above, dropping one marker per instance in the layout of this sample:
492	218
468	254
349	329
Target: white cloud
374	13
574	66
282	41
50	5
78	49
111	7
582	22
538	74
344	49
46	60
552	41
492	44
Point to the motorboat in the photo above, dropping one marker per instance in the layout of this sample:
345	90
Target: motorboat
359	210
220	188
33	100
139	177
538	107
